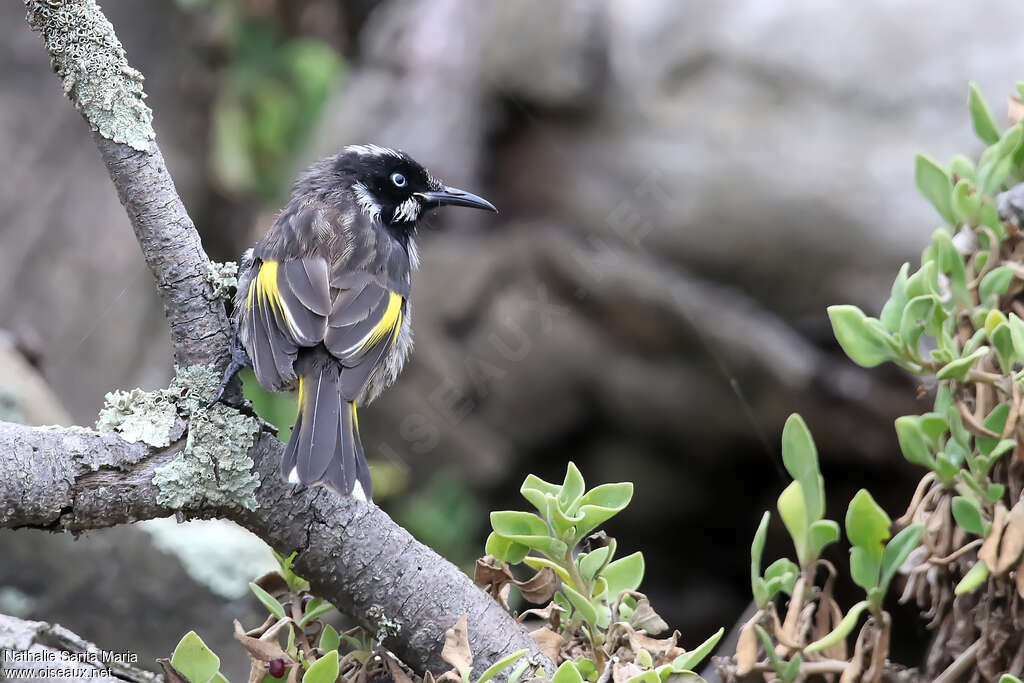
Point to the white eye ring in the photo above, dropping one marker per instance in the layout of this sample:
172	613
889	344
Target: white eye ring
398	179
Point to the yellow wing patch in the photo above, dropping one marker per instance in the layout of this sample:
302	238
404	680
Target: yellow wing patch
265	290
390	322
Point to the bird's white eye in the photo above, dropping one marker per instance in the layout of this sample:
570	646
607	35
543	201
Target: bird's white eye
398	179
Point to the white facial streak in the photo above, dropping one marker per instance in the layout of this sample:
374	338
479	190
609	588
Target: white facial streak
409	210
367	203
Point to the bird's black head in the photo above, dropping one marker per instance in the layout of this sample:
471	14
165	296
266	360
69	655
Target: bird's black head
390	186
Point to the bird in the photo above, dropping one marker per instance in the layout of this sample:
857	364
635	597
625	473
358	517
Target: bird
323	302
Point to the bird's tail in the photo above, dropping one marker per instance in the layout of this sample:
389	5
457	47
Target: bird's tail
324	447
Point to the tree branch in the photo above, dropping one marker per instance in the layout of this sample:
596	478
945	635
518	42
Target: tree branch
47	645
76	479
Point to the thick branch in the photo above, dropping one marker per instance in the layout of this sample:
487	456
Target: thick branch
74	479
51	646
352	553
170	244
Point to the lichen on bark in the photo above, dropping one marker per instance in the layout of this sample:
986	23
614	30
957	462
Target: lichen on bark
215	466
146	416
90	61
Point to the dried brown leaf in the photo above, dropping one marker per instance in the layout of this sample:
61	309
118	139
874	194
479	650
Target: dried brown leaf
658	647
171	675
539	588
456	646
549	642
486	574
644	618
746	647
262	650
1015	110
623	671
1012	543
989	552
550	614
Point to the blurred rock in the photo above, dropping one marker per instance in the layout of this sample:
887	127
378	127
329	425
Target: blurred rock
684	188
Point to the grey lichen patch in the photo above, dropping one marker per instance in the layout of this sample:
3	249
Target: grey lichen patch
215	465
138	415
193	387
386	627
223	277
90	61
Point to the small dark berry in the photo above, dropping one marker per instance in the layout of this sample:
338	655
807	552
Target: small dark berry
277	668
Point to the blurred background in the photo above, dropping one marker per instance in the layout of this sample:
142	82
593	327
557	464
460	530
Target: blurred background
683	188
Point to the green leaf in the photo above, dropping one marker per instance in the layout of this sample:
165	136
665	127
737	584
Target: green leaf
1016	325
935	185
867	527
313	611
822	533
528	529
781	575
539	563
951	262
921	313
329	639
994	285
504	549
756	552
925	280
966	203
581	604
219	678
968	516
324	670
962	167
992	176
649	676
863	339
572	489
897	551
512	523
600	504
981	118
590	563
867	524
841	631
689	660
500	665
913	442
194	659
1002	340
1008	678
791	508
534	489
801	460
893	309
268	600
995	422
958	369
624	575
972	579
567	673
1010	140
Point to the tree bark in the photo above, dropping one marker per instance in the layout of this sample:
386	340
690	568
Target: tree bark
60	649
76	479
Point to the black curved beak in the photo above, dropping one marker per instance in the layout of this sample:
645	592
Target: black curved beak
451	196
